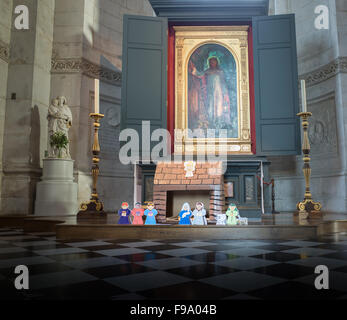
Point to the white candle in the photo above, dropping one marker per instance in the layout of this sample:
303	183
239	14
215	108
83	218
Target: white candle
303	96
96	96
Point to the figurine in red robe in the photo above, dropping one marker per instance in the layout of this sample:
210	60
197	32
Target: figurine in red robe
124	213
137	213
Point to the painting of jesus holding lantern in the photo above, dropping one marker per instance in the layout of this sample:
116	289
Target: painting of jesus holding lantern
212	90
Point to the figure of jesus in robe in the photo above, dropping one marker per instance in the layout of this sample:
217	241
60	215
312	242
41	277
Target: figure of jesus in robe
208	95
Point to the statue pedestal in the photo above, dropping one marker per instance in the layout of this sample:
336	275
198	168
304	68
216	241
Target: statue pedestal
56	194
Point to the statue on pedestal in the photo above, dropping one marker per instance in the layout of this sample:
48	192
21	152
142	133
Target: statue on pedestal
59	122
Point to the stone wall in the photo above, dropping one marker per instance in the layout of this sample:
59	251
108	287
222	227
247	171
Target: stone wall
68	44
322	63
27	99
88	45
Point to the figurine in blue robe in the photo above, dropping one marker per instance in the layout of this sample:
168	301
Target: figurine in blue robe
124	213
185	214
150	214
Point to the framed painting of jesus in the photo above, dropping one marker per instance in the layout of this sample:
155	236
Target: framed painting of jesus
212	104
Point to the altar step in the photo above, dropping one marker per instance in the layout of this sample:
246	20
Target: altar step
279	226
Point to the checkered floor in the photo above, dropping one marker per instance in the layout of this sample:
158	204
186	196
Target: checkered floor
171	269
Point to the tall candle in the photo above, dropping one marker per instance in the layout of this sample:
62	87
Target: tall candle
96	95
303	96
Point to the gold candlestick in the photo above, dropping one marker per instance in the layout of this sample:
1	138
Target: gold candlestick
307	205
94	207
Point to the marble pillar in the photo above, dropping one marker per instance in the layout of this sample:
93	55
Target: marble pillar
28	91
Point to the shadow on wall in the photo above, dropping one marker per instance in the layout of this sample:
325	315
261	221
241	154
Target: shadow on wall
35	135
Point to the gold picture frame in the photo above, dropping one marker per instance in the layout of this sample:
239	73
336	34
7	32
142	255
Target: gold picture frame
235	40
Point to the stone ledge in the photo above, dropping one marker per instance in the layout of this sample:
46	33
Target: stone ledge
325	72
84	66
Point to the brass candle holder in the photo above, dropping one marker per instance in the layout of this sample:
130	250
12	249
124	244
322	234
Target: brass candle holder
307	205
94	207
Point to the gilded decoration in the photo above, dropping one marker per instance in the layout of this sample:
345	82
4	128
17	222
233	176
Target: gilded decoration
212	89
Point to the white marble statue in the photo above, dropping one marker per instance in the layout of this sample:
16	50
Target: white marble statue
59	120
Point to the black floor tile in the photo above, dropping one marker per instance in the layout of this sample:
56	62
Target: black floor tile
37	269
6	245
120	240
332	246
187	291
93	290
139	257
278	256
173	240
9	292
211	256
26	240
46	247
77	240
104	247
117	270
285	270
341	269
200	271
75	256
218	247
341	255
294	291
16	255
158	248
276	247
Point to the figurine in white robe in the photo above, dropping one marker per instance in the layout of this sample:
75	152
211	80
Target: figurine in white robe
199	215
221	219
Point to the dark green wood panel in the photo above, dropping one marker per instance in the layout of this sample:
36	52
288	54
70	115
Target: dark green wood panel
144	98
283	142
273	89
276	85
144	73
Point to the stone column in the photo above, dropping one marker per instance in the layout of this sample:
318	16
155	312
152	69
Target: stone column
28	90
5	36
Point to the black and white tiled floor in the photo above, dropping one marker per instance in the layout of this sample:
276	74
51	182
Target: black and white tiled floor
170	269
